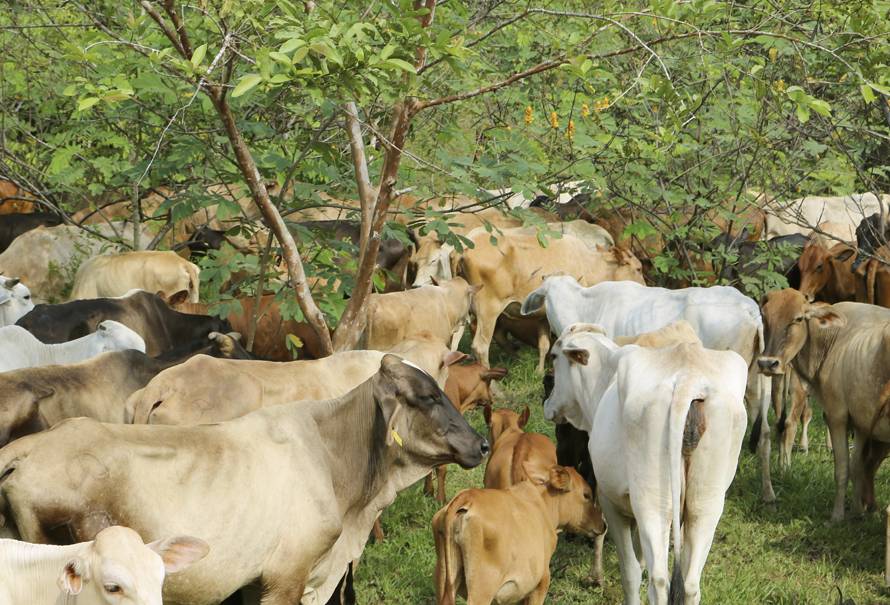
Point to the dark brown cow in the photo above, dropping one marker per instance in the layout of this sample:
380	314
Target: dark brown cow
270	338
13	225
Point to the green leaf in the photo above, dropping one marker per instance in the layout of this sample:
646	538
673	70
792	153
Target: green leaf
803	113
821	107
300	55
246	83
71	90
291	45
867	93
402	64
86	103
198	55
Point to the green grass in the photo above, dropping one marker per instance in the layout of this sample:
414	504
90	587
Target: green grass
786	554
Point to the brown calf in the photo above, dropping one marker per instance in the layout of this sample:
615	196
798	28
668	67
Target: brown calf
467	387
479	533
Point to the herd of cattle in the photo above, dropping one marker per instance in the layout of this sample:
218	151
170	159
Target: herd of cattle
129	414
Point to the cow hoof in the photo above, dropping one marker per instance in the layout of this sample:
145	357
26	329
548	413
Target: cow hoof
593	582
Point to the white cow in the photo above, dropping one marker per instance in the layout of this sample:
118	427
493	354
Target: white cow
843	213
666	427
116	568
15	300
20	349
723	317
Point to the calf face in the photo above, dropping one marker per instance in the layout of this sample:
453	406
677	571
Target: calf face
15	300
572	498
422	420
503	420
786	322
579	346
118	569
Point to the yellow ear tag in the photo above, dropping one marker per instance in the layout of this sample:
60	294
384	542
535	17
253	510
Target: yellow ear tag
397	437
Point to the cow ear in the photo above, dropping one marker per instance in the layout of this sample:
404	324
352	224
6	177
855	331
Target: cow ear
434	280
12	282
523	418
559	479
577	355
225	343
494	374
180	552
74	575
177	299
844	255
452	357
535	473
533	303
825	316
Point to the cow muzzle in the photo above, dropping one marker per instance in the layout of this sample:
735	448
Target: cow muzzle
470	454
771	366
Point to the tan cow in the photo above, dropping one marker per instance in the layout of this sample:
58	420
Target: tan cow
440	310
206	389
494	545
112	275
285	496
430	354
843	352
14	199
509	271
506	429
826	274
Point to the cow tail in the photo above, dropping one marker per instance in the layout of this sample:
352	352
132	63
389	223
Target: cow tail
686	425
759	345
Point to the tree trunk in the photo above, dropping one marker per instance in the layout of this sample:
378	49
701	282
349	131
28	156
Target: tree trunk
272	218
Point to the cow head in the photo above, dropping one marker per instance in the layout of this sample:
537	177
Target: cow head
627	266
111	335
535	304
503	420
582	369
117	568
431	260
819	267
15	300
420	419
788	319
571	498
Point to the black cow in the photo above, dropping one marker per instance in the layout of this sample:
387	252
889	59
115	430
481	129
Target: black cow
393	256
870	235
571	444
747	263
162	328
13	225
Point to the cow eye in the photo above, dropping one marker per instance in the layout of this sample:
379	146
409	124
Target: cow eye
588	496
113	589
798	319
28	297
818	267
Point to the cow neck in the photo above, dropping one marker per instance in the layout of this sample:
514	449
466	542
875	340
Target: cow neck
35	569
364	468
72	351
808	362
537	495
601	381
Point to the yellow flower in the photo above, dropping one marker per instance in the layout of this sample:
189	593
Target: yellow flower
570	130
529	115
602	104
779	85
773	53
554	120
585	110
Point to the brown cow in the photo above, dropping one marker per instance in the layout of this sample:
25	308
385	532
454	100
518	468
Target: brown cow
14	199
873	279
495	545
270	337
843	352
826	274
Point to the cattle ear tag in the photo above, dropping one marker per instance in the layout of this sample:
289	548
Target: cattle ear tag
393	433
397	438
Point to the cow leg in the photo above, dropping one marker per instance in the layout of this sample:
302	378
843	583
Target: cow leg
428	485
487	311
457	335
378	531
807	416
698	534
620	528
540	592
441	471
857	470
596	577
875	455
543	345
763	447
837	429
654	538
783	422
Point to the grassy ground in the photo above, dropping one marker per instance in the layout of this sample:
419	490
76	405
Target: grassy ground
787	554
